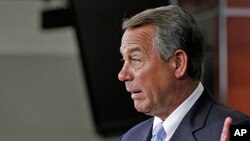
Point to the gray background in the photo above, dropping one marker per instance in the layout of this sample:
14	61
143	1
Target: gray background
42	87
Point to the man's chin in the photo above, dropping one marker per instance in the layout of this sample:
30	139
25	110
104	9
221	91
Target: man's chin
141	109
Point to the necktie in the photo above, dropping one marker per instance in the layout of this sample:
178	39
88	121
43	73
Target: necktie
159	133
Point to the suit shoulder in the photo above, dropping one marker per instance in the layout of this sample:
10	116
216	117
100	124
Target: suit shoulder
138	131
142	125
220	111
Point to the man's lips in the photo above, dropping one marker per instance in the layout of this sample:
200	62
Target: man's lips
133	90
136	94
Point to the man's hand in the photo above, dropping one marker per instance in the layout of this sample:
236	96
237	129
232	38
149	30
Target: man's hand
225	132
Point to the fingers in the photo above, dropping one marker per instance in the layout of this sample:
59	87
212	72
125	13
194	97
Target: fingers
226	128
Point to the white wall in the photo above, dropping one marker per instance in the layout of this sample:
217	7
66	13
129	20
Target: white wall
42	89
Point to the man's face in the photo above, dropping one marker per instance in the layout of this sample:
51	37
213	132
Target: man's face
147	77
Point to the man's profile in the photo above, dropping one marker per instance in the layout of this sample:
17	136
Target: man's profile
163	51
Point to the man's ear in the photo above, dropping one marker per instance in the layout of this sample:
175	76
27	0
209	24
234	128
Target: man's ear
181	63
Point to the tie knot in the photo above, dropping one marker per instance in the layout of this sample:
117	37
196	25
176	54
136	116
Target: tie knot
159	132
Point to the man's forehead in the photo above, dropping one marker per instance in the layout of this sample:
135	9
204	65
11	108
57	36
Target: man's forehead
137	39
131	49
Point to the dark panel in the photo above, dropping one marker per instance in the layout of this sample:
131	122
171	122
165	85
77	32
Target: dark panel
99	33
56	18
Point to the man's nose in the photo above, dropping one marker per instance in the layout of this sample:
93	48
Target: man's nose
125	74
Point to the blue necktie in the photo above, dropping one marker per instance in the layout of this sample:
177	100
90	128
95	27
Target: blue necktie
159	133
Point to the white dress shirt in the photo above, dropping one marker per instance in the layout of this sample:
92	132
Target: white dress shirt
173	120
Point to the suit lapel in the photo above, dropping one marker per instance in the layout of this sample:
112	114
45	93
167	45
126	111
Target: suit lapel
194	120
147	132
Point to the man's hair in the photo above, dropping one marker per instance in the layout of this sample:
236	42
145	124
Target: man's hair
174	29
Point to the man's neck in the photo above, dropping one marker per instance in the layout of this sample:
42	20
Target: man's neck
183	91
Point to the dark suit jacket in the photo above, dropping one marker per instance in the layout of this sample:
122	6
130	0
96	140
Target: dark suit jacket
203	122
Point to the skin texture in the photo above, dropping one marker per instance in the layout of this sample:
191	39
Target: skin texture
226	129
156	86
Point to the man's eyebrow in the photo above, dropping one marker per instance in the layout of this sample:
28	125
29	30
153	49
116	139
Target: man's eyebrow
133	49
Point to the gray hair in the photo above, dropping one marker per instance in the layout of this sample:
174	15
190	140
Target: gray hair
174	29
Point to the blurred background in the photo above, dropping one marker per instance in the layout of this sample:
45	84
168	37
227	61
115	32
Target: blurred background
59	61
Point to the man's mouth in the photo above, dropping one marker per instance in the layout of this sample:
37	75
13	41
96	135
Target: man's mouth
136	95
135	92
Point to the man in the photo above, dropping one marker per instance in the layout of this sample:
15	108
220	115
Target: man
163	51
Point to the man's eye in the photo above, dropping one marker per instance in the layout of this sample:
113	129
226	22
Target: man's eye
135	61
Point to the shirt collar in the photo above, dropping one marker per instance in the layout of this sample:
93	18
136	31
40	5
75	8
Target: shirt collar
173	120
